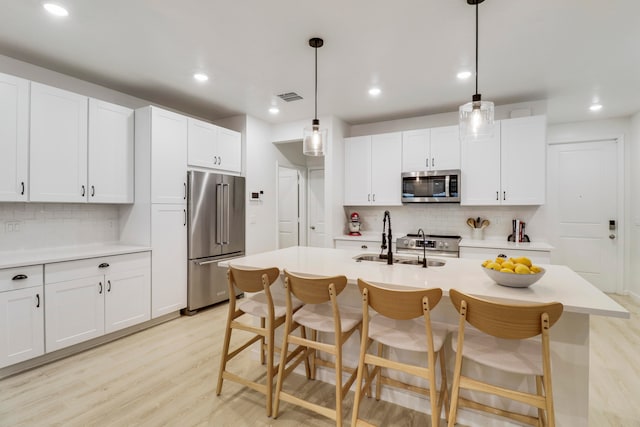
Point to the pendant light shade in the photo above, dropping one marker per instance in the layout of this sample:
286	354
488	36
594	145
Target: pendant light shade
477	116
314	137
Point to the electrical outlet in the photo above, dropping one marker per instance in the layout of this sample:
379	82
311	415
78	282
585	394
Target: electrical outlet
12	226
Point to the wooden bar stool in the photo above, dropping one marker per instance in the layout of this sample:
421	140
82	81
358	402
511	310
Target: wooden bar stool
403	321
269	309
495	344
320	313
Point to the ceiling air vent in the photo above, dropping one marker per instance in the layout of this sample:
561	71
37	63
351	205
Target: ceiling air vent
289	96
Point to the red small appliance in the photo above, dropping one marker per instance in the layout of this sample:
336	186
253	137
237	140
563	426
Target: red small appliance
354	225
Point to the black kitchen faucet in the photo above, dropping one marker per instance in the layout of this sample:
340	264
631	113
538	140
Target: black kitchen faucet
424	248
386	238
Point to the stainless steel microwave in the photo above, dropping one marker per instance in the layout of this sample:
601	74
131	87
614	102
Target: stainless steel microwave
431	186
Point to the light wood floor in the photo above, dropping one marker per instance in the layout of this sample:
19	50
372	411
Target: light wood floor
166	376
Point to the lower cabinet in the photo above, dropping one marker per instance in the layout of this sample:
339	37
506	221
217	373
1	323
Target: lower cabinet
21	314
90	297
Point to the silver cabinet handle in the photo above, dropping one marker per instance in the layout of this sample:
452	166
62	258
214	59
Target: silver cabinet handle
374	197
432	162
185	190
369	197
185	217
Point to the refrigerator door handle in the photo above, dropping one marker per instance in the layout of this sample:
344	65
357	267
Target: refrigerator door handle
225	191
206	262
219	219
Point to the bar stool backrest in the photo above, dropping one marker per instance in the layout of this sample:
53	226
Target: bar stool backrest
251	280
510	321
399	304
314	290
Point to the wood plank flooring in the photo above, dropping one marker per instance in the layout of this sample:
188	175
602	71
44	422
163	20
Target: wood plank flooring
165	376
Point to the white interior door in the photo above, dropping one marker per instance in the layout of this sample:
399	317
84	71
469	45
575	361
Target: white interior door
583	192
288	207
316	208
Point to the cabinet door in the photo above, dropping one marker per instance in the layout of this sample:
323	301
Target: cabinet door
386	164
415	150
127	298
357	171
110	165
480	168
229	150
58	148
168	157
202	142
445	148
75	311
523	143
168	259
21	325
14	138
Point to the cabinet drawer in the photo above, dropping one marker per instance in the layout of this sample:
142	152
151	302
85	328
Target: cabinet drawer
72	270
11	278
357	244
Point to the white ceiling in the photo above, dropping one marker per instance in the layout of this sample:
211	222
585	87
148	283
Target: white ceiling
567	52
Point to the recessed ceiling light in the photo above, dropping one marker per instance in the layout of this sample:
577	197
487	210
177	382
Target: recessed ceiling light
375	91
463	75
274	110
55	9
595	107
201	77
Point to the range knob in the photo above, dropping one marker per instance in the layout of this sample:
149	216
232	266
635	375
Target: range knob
440	244
446	245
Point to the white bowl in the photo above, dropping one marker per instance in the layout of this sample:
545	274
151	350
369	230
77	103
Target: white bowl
514	280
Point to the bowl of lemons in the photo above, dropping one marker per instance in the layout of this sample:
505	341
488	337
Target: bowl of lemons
513	272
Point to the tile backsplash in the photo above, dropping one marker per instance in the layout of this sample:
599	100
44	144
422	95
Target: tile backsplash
450	219
27	226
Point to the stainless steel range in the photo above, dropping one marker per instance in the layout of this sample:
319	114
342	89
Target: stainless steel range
432	244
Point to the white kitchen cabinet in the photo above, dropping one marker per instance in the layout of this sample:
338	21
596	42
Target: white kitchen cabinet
523	160
90	297
509	168
14	138
431	149
110	158
213	147
372	170
163	136
21	314
58	145
169	266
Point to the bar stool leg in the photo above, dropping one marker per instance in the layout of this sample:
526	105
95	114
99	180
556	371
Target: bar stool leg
225	352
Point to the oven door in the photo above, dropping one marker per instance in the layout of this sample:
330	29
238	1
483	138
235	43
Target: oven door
431	186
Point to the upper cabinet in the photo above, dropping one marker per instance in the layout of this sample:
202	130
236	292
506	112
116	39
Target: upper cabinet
508	168
14	138
213	147
58	148
110	153
431	149
161	146
372	170
81	149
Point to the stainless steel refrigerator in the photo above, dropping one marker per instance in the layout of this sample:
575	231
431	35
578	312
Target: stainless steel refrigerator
216	227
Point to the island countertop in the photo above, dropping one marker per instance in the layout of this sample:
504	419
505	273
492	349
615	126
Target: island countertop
559	283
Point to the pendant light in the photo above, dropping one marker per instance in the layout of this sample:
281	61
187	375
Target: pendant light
476	117
313	142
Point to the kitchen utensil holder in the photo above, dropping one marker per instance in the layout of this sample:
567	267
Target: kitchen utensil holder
477	233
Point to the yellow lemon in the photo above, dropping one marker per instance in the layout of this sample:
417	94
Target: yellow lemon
486	262
521	269
535	269
508	265
506	270
499	260
494	266
524	260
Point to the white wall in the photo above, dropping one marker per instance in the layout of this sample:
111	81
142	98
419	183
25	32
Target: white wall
633	273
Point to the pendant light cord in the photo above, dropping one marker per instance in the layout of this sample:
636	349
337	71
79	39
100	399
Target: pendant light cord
316	97
476	48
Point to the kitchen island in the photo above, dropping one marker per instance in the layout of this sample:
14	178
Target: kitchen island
570	336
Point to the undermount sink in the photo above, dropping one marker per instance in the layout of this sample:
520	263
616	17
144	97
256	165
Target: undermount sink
400	260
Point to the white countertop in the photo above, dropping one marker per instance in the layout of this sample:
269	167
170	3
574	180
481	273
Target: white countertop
503	244
368	236
49	255
559	283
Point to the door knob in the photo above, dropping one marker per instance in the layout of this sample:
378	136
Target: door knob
612	236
